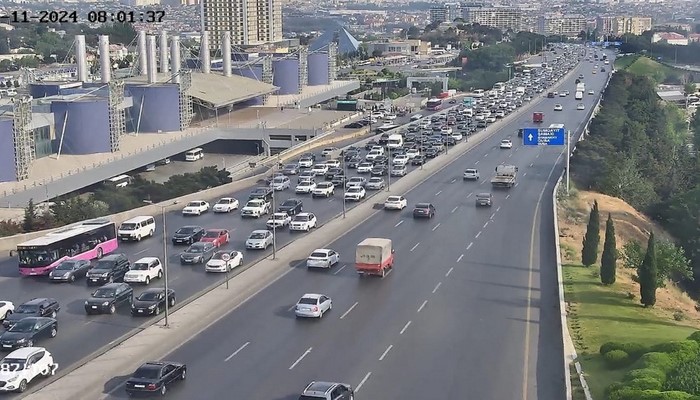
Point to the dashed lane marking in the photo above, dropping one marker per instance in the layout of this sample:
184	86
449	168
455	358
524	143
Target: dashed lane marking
422	305
507	196
438	193
237	351
391	346
492	215
470	245
437	287
405	327
461	256
345	314
398	223
454	209
362	382
306	353
485	224
449	271
414	246
340	269
436	226
478	234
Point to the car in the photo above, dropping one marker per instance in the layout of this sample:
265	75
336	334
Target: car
262	193
155	377
152	301
108	269
364	168
197	253
328	391
305	187
107	298
412	153
399	170
291	206
594	72
290	169
602	70
313	305
306	162
28	331
423	210
303	222
550	95
354	193
506	144
431	153
197	207
144	271
371	143
69	271
375	183
280	183
22	366
558	107
188	234
379	170
395	203
319	169
360	181
591	93
353	125
255	208
278	220
224	261
217	237
484	199
332	163
328	151
324	189
580	106
418	160
6	308
337	181
563	94
471	174
225	205
353	162
259	239
322	258
401	159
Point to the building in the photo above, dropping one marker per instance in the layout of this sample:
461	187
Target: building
345	42
565	25
620	25
399	47
503	18
447	12
671	38
251	22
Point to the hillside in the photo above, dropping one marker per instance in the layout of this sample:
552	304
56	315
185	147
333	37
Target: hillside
642	65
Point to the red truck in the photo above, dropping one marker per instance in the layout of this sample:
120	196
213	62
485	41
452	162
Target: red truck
538	117
374	256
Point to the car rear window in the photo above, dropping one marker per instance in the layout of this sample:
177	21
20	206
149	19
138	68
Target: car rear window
318	255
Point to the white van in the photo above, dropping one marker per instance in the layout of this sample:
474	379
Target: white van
119	181
137	228
194	154
395	141
416	117
478	93
467	112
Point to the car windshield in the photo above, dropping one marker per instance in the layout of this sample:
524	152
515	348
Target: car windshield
140	266
290	166
308	300
224	201
356	179
301	218
318	254
194	249
279	180
103	293
289	203
254	203
193	204
23	327
376	180
128	227
279	215
66	265
483	196
212	234
306	183
149	296
258	235
219	255
27	309
185	231
147	373
324	185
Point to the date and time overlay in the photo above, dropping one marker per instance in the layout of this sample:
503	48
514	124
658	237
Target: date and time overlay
91	17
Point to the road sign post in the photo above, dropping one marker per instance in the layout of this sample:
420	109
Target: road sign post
225	258
550	137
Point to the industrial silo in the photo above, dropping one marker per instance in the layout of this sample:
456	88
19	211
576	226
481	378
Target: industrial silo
8	172
285	73
318	69
156	108
251	71
82	125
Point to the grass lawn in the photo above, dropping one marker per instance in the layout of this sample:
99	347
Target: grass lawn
625	61
648	67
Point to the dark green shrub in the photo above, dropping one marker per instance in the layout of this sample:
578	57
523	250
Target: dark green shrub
609	346
675	395
685	377
634	350
646	373
626	393
695	336
615	359
613	387
646	383
661	361
686	346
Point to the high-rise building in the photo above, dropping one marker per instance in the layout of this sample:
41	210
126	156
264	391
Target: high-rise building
620	25
446	12
251	22
503	18
565	25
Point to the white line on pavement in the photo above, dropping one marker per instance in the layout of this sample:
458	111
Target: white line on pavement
477	235
449	271
454	209
306	353
398	223
340	269
362	382
405	327
141	252
438	193
436	226
485	224
414	246
437	287
386	352
470	245
507	196
492	215
237	351
476	162
470	194
348	311
498	209
422	305
461	256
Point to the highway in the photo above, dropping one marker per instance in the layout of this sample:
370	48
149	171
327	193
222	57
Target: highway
469	311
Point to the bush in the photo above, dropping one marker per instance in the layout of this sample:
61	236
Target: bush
685	346
615	359
660	361
686	377
675	395
647	383
634	350
647	373
695	336
626	393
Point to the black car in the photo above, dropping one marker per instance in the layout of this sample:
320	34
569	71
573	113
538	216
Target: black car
379	170
312	156
353	125
155	377
332	172
339	180
198	253
28	331
424	210
381	160
152	302
38	307
431	152
353	162
70	270
349	154
188	234
418	160
384	139
261	193
291	206
106	299
108	269
371	143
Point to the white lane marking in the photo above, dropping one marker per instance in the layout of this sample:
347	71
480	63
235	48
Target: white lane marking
453	180
329	200
449	271
306	353
476	162
510	155
142	251
437	287
461	256
470	245
486	155
483	182
398	223
498	209
438	193
362	382
492	215
237	351
507	196
292	308
524	173
516	184
391	346
387	273
478	234
405	327
470	194
340	269
538	155
531	164
345	314
454	209
436	226
422	305
414	246
485	224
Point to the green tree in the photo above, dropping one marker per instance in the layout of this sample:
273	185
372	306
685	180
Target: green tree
648	274
30	218
671	260
608	261
689	88
591	240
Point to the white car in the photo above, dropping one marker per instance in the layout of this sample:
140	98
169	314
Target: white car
144	271
401	159
446	131
225	205
412	153
224	261
490	119
398	170
313	305
375	183
395	203
255	208
278	220
305	187
6	308
332	163
471	174
280	183
306	162
259	240
319	169
328	151
558	107
322	258
303	222
506	144
356	181
364	168
372	155
197	207
23	365
457	136
323	189
389	117
580	106
355	193
591	93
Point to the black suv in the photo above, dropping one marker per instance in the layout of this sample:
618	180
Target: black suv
291	206
188	235
111	268
39	307
264	193
106	299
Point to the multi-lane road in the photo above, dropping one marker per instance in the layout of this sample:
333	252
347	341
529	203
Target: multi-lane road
469	311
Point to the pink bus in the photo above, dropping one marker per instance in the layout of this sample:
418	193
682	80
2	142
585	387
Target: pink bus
434	105
84	241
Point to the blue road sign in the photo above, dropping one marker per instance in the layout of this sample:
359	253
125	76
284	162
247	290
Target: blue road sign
544	136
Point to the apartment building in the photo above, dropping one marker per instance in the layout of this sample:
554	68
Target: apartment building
446	12
503	18
565	25
620	25
251	22
402	47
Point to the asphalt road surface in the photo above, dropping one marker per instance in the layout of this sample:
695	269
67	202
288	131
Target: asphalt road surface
470	310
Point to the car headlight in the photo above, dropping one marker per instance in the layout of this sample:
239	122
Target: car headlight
106	303
22	340
66	274
86	302
198	258
104	275
14	378
152	306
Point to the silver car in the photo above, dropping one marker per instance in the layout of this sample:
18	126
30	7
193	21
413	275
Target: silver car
259	240
375	183
313	305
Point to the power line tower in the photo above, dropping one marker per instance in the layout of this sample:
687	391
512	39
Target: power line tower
117	119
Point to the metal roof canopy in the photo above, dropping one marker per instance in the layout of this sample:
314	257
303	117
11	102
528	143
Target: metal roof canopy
216	91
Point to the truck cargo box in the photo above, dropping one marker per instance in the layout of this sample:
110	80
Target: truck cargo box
374	256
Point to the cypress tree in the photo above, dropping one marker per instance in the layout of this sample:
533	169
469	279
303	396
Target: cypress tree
591	240
609	258
647	273
30	218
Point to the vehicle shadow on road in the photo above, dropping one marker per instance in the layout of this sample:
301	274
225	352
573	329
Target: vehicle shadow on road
285	311
289	397
115	385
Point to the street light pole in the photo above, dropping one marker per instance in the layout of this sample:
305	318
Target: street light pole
389	163
274	225
345	175
165	267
